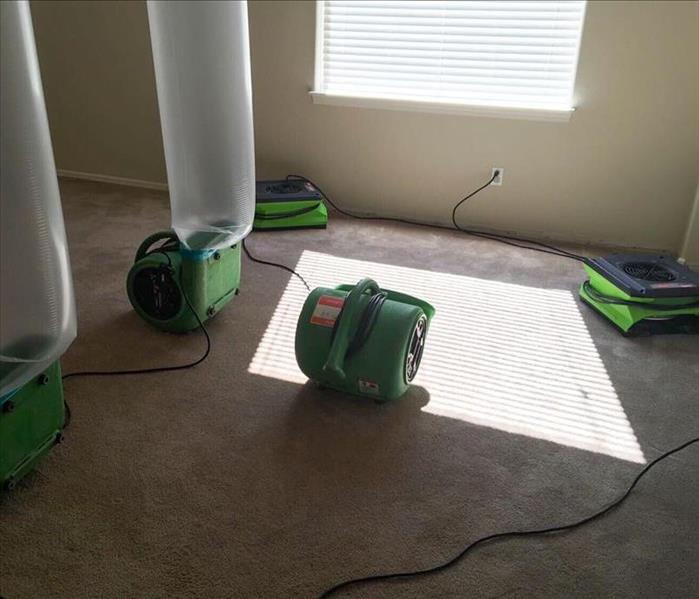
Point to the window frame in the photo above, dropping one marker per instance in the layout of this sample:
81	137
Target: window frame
320	96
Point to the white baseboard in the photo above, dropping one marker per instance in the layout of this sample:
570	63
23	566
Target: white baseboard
537	235
554	237
111	179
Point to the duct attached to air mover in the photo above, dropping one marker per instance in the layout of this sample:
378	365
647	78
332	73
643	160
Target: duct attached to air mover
201	55
202	70
37	307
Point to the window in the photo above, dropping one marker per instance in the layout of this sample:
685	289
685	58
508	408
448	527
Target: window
512	58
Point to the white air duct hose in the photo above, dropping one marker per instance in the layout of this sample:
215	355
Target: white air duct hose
202	70
37	306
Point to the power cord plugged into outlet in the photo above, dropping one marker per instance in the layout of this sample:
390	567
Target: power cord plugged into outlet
497	175
520	242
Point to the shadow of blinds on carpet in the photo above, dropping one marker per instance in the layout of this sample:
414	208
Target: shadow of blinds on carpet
515	358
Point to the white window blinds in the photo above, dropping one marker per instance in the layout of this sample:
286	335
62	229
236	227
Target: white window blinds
512	54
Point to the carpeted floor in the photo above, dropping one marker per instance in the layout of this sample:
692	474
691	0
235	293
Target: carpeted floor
223	481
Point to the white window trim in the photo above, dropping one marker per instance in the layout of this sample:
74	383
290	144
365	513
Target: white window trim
440	107
510	112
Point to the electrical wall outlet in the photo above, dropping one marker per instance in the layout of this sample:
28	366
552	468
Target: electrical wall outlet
500	171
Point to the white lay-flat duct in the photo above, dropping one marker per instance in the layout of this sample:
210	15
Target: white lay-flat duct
202	69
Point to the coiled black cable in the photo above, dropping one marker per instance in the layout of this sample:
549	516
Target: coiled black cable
366	323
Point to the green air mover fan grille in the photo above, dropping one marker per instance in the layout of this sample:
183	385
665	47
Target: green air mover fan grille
157	293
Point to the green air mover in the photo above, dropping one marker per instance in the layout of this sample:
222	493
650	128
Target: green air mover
37	305
362	340
166	283
292	204
643	294
31	420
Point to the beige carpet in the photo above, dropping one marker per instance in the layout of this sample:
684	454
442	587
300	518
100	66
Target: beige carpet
222	482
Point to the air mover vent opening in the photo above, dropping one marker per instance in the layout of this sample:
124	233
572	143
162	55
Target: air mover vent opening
157	293
284	187
649	271
415	349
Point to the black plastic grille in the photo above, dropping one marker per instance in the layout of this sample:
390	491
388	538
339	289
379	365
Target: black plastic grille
157	293
416	346
649	271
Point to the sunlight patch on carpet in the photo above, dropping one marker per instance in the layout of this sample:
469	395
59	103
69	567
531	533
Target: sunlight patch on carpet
515	358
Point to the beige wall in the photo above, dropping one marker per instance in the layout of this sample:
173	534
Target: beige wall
623	171
97	71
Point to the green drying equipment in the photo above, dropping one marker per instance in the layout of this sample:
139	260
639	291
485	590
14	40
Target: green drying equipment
361	339
168	283
643	294
288	204
32	419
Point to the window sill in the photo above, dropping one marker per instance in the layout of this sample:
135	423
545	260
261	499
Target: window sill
508	112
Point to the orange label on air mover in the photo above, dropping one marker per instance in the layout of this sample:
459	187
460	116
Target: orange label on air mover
327	310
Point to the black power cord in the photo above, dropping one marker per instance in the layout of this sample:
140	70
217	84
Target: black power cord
510	534
376	303
163	249
506	239
158	368
275	264
519	242
366	323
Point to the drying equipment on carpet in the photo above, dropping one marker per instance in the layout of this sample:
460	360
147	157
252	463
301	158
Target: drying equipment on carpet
202	71
289	204
361	339
643	293
37	306
31	422
168	283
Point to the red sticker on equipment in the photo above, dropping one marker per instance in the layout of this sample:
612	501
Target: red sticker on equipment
327	310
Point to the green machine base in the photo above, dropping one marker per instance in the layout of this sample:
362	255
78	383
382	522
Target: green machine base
288	204
290	215
31	422
166	284
637	307
361	339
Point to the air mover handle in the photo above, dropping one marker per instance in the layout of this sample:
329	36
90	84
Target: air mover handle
336	356
151	239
